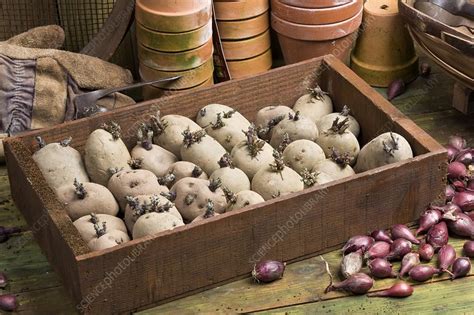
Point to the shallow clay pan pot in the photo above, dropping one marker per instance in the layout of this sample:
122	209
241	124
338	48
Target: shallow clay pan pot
316	16
252	66
190	78
313	4
173	16
244	28
172	42
384	50
239	10
150	92
176	61
247	48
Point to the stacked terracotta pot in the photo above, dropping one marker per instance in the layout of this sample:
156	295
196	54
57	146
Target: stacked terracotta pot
174	38
312	28
244	28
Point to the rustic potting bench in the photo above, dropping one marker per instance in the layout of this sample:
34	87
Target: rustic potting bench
427	102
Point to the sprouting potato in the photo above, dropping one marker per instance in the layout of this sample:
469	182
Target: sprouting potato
210	213
385	149
314	105
155	222
326	122
242	199
180	170
230	176
302	154
295	127
208	115
312	178
59	163
337	165
227	130
82	199
86	225
268	117
105	150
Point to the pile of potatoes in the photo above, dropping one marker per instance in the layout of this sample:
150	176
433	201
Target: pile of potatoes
181	171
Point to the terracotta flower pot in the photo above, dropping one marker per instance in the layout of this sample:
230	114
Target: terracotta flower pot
229	30
239	10
316	16
190	78
172	42
301	41
243	68
150	92
185	17
176	61
315	3
384	50
247	48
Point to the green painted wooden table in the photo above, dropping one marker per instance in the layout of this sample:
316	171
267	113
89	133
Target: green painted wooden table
427	102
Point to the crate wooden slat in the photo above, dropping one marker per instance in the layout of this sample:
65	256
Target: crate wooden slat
143	272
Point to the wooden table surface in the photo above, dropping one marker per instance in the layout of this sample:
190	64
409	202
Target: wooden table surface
427	102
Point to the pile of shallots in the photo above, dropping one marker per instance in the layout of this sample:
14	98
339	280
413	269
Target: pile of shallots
378	250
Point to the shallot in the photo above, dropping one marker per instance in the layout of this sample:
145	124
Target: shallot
352	263
402	231
459	185
359	283
438	235
400	289
448	208
465	200
461	267
357	242
378	250
427	219
426	252
457	170
457	142
422	273
460	224
399	248
8	302
468	249
409	261
452	152
446	257
466	157
381	235
268	271
3	280
449	192
396	88
381	268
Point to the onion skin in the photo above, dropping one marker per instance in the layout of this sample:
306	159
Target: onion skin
457	142
402	231
422	273
409	261
398	290
448	208
352	263
8	302
378	250
427	219
268	271
399	248
460	224
395	88
446	257
456	170
468	249
358	284
466	157
465	200
438	235
381	268
3	280
449	193
381	235
426	252
459	185
358	242
452	152
461	267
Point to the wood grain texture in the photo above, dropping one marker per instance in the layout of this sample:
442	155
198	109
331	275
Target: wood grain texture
181	262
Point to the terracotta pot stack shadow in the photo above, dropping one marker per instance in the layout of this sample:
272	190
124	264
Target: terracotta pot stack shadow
313	28
244	28
174	38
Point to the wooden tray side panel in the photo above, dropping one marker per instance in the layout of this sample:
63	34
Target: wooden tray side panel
287	230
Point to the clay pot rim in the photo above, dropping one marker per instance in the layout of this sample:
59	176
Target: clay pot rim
178	90
236	44
160	33
314	4
140	6
318	16
379	13
175	53
262	21
262	56
257	64
324	31
237	6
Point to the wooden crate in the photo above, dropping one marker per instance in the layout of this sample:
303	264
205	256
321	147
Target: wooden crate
196	257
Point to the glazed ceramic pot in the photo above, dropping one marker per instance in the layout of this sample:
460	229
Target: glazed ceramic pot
247	48
243	68
186	16
316	16
151	92
384	50
172	42
190	78
312	4
240	10
241	29
302	41
176	61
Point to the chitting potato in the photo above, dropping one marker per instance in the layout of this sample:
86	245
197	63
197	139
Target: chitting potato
242	199
385	149
59	163
208	115
82	199
105	236
268	117
337	165
85	225
314	105
231	177
326	122
180	170
210	213
155	222
302	154
295	127
105	150
276	179
227	129
311	178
